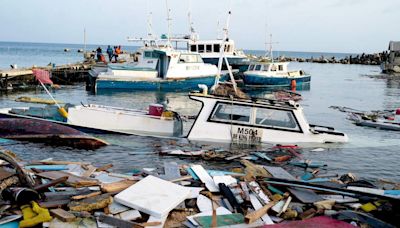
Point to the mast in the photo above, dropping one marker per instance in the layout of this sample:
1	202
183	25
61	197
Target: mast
222	56
84	40
169	23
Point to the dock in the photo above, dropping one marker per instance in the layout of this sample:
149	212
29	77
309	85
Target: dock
23	78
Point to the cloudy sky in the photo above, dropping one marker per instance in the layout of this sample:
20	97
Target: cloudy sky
298	25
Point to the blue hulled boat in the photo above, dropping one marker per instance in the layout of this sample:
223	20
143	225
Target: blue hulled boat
274	74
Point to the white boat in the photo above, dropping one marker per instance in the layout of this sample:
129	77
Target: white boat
158	68
106	119
256	120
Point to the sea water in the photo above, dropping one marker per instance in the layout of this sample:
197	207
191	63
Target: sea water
370	153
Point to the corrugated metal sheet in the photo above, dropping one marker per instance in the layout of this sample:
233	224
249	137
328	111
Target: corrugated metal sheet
394	46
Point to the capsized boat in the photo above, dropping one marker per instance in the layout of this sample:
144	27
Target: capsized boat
41	131
101	119
158	68
256	120
274	74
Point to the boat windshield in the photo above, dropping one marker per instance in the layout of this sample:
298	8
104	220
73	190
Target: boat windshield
190	58
231	113
276	118
266	67
251	67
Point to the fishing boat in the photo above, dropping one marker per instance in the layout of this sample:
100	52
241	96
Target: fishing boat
41	131
256	120
158	69
274	74
101	119
271	73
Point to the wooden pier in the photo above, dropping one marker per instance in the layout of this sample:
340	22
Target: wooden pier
15	79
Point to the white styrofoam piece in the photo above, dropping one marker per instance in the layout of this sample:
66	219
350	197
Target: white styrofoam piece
257	205
278	206
153	196
219	211
116	208
194	192
205	178
204	203
129	215
105	178
227	180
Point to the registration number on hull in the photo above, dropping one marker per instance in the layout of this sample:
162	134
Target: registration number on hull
246	134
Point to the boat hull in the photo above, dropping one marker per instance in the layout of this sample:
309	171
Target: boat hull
186	84
254	79
47	132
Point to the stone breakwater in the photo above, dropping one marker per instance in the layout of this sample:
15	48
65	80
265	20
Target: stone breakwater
363	59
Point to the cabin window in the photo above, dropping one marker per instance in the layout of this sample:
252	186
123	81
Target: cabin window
201	48
258	67
273	67
148	54
208	48
276	118
190	58
227	48
280	67
251	67
231	113
265	67
193	48
216	47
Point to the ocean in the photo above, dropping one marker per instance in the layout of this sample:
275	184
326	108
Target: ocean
42	54
370	153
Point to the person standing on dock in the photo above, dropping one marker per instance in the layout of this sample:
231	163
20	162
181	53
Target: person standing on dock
117	52
109	53
99	53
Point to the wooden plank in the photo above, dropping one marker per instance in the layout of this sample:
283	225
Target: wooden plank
104	167
73	180
51	196
205	178
258	213
54	204
90	170
304	195
91	204
117	186
62	215
79	197
50	183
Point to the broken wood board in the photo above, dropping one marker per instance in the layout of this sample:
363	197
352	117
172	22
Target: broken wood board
117	186
73	180
257	206
90	204
304	195
51	196
204	203
116	208
153	196
219	211
129	215
54	204
62	215
79	197
79	222
205	178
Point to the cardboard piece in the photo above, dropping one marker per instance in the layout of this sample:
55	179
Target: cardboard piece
153	196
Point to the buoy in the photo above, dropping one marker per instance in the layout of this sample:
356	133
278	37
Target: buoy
293	85
397	116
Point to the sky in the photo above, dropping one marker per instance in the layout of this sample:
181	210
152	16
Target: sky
346	26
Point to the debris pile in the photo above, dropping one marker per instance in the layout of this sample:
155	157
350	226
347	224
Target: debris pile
73	194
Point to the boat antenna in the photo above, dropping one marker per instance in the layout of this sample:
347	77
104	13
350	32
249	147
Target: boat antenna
270	47
150	26
84	39
169	24
191	28
223	57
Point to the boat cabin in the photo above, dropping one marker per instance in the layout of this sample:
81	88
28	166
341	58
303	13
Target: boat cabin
270	67
255	121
